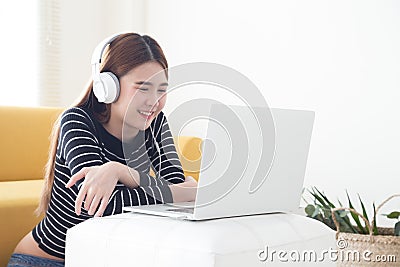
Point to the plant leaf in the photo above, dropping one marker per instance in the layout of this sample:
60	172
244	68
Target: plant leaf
350	225
309	210
327	213
354	230
325	198
317	197
356	217
393	215
343	213
345	223
374	228
363	208
316	212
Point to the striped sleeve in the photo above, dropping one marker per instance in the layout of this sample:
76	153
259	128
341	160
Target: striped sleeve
170	170
78	143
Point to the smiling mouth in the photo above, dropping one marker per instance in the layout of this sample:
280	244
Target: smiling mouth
146	114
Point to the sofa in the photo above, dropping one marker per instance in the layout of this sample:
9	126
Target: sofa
24	149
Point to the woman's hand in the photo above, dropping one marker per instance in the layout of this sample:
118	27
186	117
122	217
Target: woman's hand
97	188
190	182
185	191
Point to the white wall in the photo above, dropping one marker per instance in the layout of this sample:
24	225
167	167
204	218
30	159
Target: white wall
338	58
83	25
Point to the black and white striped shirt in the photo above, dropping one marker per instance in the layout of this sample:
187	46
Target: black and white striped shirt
84	142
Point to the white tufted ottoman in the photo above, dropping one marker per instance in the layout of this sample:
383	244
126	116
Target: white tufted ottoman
145	240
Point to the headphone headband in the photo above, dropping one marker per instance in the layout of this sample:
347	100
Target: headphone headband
98	54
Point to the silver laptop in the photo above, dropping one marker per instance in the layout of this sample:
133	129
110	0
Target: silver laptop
253	162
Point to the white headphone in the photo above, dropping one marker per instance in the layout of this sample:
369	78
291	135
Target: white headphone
106	86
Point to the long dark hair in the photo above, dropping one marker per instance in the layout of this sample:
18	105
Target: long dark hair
126	52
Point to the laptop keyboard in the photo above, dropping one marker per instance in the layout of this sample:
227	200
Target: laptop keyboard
186	210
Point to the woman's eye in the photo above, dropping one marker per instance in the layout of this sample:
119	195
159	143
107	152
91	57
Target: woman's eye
162	91
143	89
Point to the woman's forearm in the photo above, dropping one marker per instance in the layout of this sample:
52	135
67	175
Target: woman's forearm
181	192
126	175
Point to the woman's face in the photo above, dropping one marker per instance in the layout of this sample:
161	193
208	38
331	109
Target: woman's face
142	96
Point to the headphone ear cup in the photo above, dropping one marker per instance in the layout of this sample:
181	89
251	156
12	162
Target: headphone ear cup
107	89
98	90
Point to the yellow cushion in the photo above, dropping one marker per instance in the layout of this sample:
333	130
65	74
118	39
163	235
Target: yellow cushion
189	152
18	201
25	141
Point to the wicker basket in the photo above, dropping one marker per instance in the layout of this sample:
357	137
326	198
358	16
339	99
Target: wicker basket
367	250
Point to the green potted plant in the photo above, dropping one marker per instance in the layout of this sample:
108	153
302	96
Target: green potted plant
354	230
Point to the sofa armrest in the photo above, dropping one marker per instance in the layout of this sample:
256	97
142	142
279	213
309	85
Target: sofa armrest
18	201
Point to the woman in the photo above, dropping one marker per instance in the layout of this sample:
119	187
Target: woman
111	143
